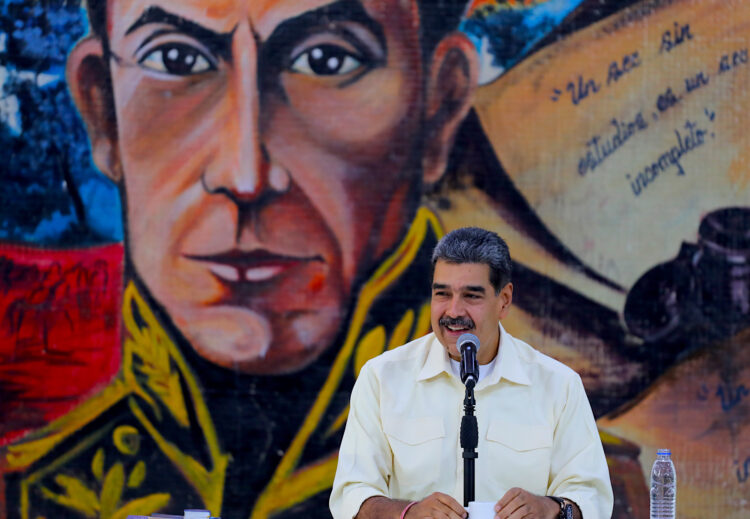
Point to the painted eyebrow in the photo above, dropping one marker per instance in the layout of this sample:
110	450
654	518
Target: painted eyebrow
217	42
284	36
291	31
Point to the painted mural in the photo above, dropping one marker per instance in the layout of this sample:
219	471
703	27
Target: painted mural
214	212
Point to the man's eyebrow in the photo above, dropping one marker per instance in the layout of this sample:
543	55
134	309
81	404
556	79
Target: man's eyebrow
294	29
468	288
217	41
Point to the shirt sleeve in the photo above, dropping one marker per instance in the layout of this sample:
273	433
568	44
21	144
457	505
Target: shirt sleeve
365	459
579	468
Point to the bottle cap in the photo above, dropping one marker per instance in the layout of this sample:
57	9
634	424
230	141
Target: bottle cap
663	452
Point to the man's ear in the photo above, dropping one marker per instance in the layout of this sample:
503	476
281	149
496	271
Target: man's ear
90	85
506	298
453	76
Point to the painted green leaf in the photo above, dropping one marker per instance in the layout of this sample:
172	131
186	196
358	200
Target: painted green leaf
97	465
112	489
137	475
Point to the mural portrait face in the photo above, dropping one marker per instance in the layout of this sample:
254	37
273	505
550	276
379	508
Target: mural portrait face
245	135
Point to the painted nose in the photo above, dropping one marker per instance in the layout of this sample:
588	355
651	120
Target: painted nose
243	169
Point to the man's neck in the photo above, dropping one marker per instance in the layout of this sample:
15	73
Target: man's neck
485	355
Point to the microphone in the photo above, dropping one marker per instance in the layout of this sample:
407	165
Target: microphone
468	345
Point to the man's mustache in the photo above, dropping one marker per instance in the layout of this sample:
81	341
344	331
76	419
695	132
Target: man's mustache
457	322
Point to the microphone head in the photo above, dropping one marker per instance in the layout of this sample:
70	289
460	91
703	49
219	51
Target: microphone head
468	346
467	339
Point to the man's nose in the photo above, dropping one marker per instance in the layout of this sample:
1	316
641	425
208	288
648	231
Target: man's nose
456	307
243	169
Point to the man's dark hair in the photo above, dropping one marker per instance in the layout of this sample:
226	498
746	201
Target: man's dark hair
475	245
437	18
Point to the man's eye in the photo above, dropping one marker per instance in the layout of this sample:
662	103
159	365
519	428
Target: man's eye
326	60
179	59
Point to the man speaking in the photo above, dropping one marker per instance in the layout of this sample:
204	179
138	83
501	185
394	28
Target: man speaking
540	455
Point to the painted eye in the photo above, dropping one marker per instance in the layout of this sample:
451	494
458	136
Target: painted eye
326	60
178	59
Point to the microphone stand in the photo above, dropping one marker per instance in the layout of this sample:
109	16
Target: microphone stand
469	441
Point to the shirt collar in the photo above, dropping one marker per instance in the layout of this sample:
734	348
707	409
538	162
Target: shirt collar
510	367
436	361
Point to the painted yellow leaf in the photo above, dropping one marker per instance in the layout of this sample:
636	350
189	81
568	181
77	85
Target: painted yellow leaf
112	490
143	506
369	347
423	322
137	475
77	495
152	345
175	400
400	335
97	464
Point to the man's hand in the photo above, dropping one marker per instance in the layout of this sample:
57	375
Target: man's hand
517	503
437	506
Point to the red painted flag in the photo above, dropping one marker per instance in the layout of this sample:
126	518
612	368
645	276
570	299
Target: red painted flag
59	330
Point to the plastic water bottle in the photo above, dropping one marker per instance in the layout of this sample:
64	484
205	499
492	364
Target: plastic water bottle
663	486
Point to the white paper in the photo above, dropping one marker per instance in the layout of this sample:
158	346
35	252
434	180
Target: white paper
481	510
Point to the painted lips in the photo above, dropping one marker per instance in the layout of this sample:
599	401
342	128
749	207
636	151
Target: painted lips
257	266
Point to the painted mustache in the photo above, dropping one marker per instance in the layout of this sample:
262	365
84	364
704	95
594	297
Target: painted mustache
457	322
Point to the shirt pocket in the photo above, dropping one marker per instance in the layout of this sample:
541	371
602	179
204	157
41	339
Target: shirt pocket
519	455
417	445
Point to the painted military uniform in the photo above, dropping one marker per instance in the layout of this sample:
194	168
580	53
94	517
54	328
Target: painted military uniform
163	436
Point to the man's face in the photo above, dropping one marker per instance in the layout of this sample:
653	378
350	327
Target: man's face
464	301
266	150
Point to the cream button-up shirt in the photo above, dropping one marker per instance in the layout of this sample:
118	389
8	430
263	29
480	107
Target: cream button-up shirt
536	431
